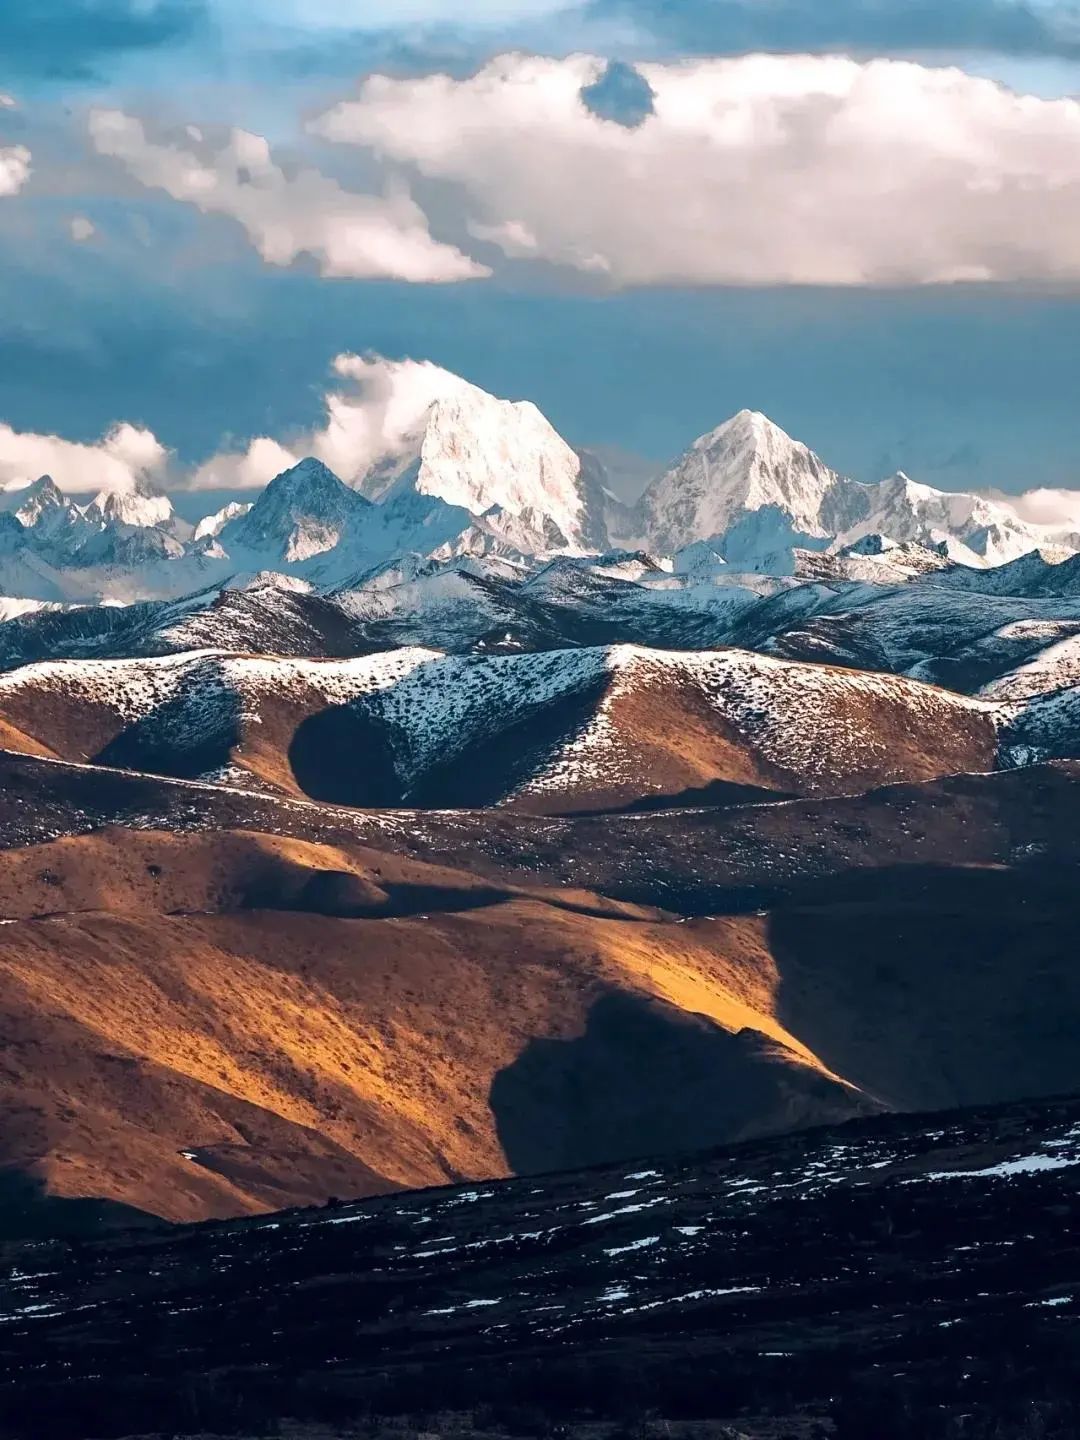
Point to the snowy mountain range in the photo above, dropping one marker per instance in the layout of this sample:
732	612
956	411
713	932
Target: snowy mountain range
487	478
759	495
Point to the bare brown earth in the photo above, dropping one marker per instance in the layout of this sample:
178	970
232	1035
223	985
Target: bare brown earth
178	738
14	739
301	1054
668	742
703	859
315	1017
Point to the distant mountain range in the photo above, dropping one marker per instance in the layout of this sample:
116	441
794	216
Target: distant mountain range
489	478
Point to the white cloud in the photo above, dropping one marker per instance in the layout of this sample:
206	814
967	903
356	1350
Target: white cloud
14	168
386	404
8	102
285	216
249	470
1056	509
383	404
126	455
81	229
763	169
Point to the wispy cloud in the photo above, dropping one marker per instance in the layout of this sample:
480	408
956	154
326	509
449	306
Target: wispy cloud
127	454
375	405
287	215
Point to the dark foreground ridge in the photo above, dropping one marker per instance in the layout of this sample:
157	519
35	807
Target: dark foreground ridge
912	1276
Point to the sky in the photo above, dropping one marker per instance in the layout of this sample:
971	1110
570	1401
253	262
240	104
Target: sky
862	218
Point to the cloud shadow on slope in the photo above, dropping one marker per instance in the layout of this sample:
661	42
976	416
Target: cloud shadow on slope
646	1077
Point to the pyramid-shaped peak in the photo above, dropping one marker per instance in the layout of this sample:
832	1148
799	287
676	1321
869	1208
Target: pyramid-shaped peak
41	494
302	513
44	488
307	474
746	473
749	428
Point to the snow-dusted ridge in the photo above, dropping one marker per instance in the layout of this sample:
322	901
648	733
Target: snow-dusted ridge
548	729
135	688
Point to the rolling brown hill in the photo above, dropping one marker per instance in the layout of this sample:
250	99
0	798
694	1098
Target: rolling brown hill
174	1050
220	1022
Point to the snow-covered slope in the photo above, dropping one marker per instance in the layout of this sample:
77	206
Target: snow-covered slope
479	454
212	525
195	714
1048	571
561	730
972	528
932	632
141	506
745	466
756	495
604	728
266	615
302	513
875	560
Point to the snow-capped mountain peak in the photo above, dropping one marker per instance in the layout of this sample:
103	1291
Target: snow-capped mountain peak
51	522
484	455
35	500
758	496
139	506
747	464
303	512
211	525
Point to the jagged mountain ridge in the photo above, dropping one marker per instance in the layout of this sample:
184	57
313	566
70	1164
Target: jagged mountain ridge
759	493
484	477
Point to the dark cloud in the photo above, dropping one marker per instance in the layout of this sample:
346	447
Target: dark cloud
75	38
962	386
621	94
1013	27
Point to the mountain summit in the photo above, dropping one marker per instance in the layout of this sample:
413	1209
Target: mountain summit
142	506
757	494
745	465
303	512
482	455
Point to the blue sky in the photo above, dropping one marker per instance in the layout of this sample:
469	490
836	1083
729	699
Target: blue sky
630	268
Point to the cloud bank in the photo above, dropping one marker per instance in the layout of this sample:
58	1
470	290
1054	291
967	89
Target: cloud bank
1059	509
362	237
125	456
759	170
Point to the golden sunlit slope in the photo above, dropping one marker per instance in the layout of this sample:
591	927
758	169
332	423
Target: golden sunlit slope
11	738
296	1055
220	1022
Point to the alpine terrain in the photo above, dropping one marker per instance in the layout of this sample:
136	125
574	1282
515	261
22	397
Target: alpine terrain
614	960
